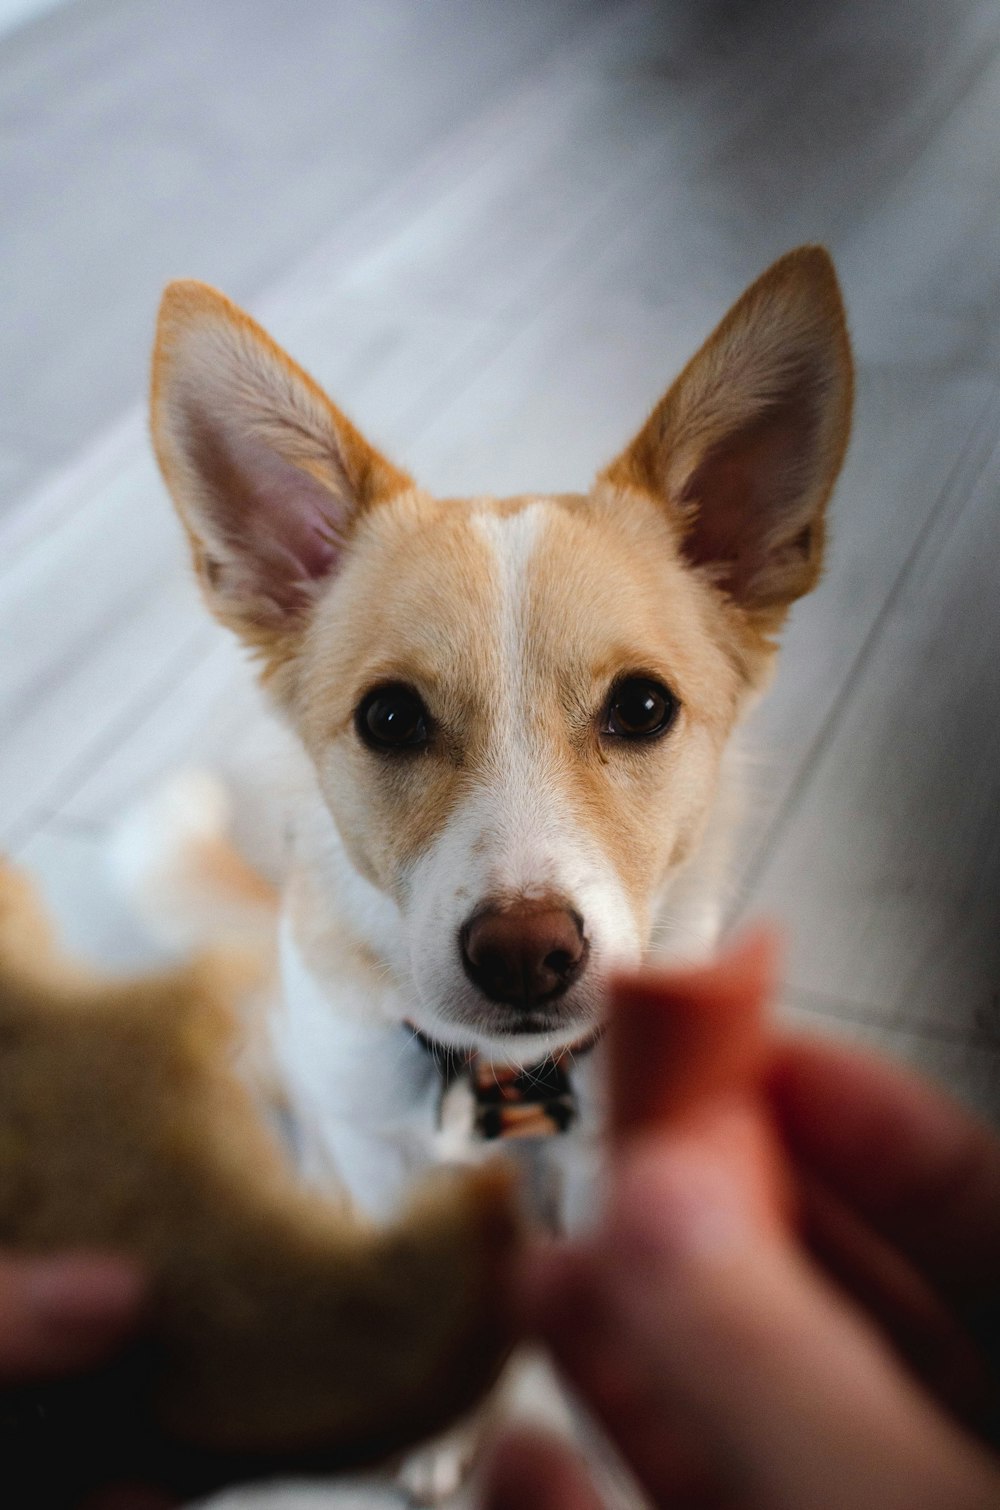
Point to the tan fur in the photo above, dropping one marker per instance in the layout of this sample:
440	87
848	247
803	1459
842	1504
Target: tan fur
285	1329
226	870
597	590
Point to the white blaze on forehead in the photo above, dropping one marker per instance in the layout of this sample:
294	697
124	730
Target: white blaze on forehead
517	831
519	805
513	539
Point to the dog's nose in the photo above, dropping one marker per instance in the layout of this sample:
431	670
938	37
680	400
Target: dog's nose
524	954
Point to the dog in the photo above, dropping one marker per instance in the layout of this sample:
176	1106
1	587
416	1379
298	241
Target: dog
517	714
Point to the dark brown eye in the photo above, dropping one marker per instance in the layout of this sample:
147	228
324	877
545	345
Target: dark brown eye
639	708
392	718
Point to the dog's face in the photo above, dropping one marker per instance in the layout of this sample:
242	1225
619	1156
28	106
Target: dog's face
516	708
517	742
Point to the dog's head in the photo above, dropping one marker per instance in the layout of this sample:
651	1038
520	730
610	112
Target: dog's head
516	708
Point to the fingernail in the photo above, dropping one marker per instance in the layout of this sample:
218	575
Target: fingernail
80	1291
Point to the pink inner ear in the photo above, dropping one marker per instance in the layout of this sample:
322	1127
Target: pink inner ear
285	510
747	495
271	527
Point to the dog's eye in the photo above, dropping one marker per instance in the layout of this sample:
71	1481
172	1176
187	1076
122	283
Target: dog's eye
392	718
639	708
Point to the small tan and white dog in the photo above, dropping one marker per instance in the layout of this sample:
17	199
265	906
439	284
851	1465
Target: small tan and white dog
517	710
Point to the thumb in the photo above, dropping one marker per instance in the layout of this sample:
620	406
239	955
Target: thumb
686	1319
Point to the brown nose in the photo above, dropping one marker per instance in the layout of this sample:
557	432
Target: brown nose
524	954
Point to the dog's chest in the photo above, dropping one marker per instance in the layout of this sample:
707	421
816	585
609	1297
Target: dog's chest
372	1112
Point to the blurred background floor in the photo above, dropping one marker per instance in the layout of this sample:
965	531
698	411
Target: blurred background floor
496	232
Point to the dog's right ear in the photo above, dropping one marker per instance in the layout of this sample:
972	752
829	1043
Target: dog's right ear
268	476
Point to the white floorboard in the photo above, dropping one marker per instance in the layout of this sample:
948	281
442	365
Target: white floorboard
14	13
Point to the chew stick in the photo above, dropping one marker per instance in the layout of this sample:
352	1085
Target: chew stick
687	1052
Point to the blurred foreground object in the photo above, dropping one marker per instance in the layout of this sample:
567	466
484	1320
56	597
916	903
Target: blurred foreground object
791	1296
281	1332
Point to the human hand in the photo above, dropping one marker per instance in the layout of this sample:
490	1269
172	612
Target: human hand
60	1316
790	1325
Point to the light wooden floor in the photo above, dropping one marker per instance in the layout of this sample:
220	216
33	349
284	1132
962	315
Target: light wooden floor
496	232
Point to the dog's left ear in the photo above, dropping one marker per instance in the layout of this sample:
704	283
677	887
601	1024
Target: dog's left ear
745	447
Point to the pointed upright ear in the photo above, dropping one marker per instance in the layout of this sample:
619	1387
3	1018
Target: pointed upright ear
744	449
268	476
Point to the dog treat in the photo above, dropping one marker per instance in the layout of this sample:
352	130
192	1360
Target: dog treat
687	1051
281	1330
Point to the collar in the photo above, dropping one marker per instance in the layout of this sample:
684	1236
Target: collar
535	1101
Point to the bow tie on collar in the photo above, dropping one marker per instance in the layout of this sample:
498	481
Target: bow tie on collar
537	1101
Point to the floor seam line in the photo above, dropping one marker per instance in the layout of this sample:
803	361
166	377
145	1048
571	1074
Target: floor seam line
962	484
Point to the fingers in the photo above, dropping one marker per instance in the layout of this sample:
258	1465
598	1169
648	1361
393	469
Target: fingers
920	1168
530	1471
688	1043
683	1322
884	1145
62	1314
924	1331
681	1037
